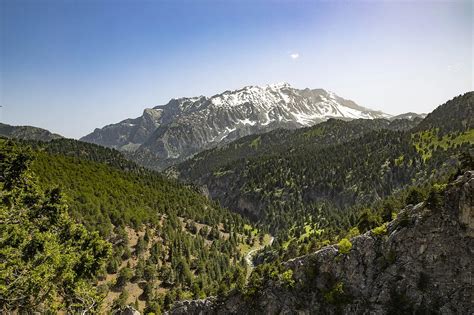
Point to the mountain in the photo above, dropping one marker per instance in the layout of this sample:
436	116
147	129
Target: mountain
420	263
331	132
333	170
27	133
457	115
409	116
185	126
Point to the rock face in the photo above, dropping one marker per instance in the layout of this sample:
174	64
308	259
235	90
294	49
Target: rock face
185	126
409	116
129	134
421	264
193	307
127	310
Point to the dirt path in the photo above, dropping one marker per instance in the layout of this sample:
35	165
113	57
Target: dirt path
248	257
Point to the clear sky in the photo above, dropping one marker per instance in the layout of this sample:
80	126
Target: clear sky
71	66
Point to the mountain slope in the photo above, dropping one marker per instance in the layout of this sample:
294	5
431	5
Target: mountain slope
326	170
185	126
27	133
331	132
420	263
170	242
409	116
457	115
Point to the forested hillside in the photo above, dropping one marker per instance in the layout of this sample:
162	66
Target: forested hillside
169	242
320	182
27	133
418	263
331	132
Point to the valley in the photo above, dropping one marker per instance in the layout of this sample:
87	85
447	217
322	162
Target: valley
270	157
244	219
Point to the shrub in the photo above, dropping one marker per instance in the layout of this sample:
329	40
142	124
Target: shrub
367	220
353	232
125	275
435	198
344	246
415	196
380	230
287	279
336	295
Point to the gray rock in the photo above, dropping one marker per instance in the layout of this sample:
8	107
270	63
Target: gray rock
173	132
127	310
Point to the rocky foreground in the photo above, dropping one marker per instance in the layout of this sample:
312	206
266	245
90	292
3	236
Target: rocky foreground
421	263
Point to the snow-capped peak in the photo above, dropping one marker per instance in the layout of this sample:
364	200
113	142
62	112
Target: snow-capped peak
201	122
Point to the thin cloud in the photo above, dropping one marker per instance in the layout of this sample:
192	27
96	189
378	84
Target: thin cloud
294	56
455	67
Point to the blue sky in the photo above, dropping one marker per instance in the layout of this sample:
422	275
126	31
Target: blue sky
71	66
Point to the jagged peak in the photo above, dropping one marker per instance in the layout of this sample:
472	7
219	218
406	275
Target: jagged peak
278	85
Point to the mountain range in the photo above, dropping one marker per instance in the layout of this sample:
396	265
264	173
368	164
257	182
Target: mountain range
331	166
245	226
185	126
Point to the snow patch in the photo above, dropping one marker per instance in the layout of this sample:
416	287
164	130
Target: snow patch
247	121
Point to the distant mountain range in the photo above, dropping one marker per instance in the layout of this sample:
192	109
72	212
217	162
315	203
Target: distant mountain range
185	126
409	116
27	133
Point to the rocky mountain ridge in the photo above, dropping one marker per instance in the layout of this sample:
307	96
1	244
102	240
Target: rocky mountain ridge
421	263
173	132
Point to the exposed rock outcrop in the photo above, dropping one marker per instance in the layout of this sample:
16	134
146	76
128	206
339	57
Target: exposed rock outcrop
421	263
127	310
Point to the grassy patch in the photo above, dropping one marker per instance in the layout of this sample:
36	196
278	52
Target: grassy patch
314	132
427	141
220	173
380	230
256	143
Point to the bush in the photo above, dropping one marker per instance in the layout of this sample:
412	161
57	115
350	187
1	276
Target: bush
336	295
344	246
380	230
415	196
287	279
125	275
435	198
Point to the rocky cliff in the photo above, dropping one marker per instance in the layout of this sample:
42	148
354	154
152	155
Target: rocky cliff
420	263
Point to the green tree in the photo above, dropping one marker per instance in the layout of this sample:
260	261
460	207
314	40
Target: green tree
124	276
415	196
48	262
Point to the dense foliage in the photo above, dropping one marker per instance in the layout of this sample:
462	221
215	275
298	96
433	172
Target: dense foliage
313	186
170	242
457	115
279	141
47	262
